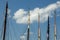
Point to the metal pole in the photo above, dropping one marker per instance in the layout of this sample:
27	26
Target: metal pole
55	25
48	29
28	32
5	21
39	38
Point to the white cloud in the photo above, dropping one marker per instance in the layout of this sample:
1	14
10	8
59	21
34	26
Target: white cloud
9	13
29	33
24	37
21	16
58	15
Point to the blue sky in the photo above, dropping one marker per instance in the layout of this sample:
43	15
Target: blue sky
15	30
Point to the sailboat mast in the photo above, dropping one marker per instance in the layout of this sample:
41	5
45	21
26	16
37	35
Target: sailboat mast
55	25
48	29
5	21
28	32
39	27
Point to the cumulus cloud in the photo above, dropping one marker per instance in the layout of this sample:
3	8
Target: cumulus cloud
29	33
9	13
21	16
58	15
23	37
